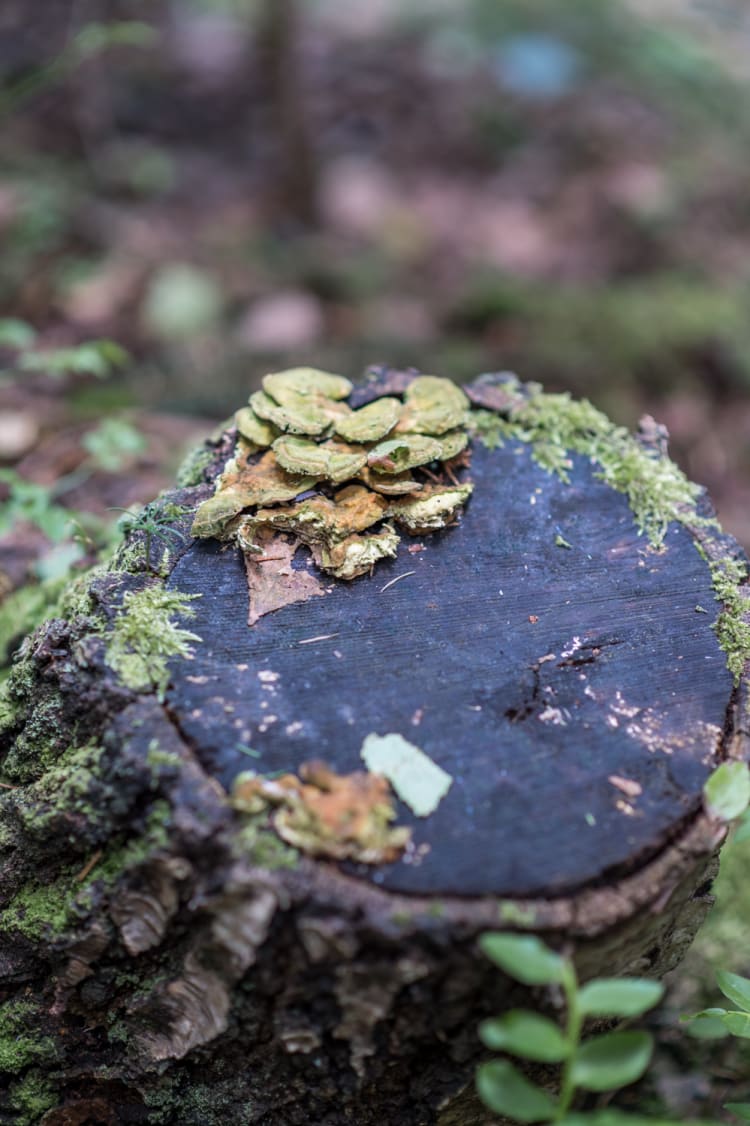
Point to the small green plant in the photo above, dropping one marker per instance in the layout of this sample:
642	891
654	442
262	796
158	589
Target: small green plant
113	443
726	794
712	1024
32	503
155	525
600	1063
100	358
90	41
95	357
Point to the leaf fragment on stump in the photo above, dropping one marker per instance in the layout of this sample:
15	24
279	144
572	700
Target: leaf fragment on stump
419	782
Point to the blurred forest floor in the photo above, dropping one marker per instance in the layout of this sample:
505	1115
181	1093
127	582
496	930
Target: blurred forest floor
560	189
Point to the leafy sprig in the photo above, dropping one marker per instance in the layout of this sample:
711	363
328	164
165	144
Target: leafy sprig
600	1063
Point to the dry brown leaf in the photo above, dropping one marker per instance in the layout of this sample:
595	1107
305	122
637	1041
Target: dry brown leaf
272	582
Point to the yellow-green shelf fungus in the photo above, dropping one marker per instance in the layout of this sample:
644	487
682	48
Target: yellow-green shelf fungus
333	461
353	509
245	485
357	554
389	484
255	430
419	782
302	400
434	508
453	444
321	813
370	423
397	455
286	386
433	406
300	416
299	434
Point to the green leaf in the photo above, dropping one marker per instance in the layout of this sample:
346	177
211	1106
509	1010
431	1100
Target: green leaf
742	1110
617	1118
96	357
612	1060
525	1034
57	562
619	997
742	829
16	334
113	443
706	1025
524	957
738	1024
727	791
736	988
505	1091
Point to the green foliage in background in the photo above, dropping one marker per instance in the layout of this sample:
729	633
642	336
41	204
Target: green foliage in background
90	41
99	358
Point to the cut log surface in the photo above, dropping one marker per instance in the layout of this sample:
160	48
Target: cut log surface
533	673
166	957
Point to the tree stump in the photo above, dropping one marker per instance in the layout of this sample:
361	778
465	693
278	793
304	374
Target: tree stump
168	955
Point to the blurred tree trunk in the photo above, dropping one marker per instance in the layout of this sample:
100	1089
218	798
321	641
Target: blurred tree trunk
295	190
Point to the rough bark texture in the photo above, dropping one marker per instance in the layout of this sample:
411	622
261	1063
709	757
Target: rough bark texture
166	959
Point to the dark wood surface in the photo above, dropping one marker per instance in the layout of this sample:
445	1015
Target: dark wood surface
532	672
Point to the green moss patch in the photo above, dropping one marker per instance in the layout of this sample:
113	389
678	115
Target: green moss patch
20	1044
145	637
43	911
732	628
30	1097
67	790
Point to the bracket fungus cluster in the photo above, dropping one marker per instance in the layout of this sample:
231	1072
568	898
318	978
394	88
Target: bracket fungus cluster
342	481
